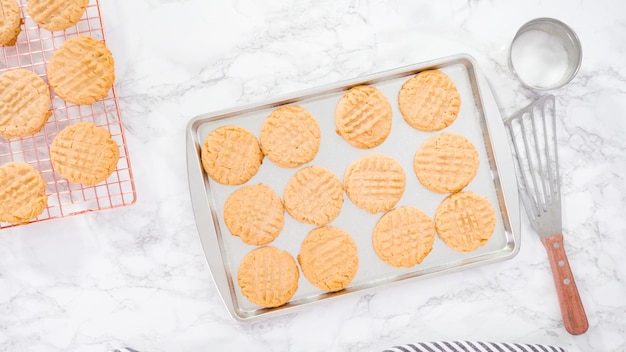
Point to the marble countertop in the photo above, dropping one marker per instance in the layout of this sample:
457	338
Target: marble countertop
137	276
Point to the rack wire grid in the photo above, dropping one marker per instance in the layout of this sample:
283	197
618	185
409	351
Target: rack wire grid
33	51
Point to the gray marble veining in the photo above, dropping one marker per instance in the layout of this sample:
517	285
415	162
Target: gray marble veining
137	276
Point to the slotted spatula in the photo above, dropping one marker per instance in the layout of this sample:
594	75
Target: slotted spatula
532	133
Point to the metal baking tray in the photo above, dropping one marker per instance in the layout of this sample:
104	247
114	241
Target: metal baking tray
479	120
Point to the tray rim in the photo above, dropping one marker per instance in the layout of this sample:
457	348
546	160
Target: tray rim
213	248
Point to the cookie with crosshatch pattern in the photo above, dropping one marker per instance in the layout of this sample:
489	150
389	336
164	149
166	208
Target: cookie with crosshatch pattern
268	276
314	195
429	101
465	221
56	15
255	214
10	22
81	71
290	136
24	103
329	258
403	237
84	153
22	193
231	155
375	182
446	163
363	117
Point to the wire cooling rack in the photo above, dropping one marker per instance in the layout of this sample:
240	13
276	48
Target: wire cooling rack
33	51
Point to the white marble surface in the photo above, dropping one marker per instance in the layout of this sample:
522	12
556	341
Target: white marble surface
137	276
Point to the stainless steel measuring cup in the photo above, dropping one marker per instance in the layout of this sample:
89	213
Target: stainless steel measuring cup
545	54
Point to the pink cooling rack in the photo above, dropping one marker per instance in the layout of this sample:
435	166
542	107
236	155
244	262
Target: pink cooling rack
32	51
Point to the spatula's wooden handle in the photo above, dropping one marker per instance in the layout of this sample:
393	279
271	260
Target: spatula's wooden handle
574	317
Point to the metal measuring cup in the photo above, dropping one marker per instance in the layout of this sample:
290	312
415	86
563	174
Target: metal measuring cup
545	54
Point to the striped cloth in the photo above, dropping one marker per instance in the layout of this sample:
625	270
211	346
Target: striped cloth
472	346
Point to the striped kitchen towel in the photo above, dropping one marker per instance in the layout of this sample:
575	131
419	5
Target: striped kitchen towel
472	346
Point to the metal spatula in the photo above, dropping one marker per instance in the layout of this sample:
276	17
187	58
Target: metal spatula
532	132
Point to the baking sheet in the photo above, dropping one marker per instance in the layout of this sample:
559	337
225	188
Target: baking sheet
494	179
33	50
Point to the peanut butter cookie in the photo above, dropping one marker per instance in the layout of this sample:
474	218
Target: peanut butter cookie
290	136
24	103
22	193
375	182
84	153
328	258
56	15
255	214
268	277
429	101
314	195
231	155
446	163
81	71
403	237
465	221
10	22
363	117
